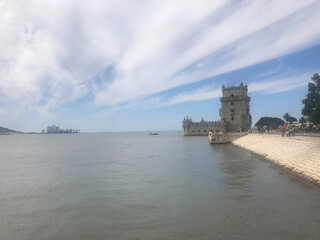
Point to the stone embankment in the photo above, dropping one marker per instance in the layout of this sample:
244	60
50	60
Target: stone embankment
298	154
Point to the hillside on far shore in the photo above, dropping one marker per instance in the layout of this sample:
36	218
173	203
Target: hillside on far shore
8	131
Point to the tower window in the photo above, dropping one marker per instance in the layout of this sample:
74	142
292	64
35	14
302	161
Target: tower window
232	95
232	118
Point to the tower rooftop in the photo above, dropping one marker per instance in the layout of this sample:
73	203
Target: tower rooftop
233	87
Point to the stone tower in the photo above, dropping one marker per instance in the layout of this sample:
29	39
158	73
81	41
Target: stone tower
235	108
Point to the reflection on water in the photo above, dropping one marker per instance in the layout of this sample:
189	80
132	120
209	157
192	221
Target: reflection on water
136	186
239	172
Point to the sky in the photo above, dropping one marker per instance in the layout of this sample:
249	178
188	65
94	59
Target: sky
144	65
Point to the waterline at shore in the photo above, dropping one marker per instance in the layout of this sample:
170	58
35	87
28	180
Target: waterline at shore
299	155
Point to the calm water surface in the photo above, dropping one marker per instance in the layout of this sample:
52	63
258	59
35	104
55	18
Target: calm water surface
135	186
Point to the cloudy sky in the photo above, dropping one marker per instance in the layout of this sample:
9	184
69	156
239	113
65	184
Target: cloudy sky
144	65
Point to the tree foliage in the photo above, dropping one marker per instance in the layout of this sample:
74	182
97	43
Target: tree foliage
270	122
286	116
302	120
292	119
289	118
311	109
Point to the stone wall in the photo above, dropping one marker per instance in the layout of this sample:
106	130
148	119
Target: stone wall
235	108
202	130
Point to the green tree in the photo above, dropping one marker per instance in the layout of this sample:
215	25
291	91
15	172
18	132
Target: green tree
302	120
270	122
286	117
292	119
289	118
311	109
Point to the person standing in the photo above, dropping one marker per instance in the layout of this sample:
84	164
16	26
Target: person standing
282	131
285	128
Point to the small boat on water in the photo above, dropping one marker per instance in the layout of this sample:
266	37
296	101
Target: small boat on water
153	133
221	137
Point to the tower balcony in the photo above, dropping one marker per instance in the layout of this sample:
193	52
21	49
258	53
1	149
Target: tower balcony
234	98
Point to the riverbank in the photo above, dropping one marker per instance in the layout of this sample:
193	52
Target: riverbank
299	155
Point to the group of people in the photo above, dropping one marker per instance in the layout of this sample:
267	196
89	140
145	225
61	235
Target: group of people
268	129
287	130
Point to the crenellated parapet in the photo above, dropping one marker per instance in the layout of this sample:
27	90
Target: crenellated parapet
200	128
187	123
241	86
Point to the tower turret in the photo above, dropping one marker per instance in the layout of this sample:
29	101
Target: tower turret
235	108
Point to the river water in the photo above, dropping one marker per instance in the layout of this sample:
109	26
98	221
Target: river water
135	186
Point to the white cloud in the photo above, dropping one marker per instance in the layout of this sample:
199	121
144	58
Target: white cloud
282	84
52	51
268	86
197	95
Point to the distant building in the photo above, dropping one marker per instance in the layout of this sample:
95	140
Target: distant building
56	129
53	129
234	114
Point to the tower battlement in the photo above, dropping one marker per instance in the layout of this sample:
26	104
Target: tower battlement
240	87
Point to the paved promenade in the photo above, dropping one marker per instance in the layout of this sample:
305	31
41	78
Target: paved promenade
299	154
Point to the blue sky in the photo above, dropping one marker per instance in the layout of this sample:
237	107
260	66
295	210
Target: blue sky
144	65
